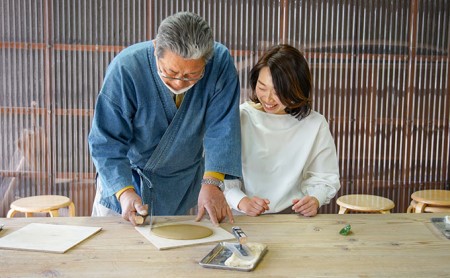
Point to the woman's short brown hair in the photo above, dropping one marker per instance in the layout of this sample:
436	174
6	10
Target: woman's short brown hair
290	76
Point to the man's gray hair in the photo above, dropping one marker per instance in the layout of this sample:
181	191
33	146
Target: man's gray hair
187	35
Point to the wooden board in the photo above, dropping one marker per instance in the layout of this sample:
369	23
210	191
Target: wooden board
219	234
47	237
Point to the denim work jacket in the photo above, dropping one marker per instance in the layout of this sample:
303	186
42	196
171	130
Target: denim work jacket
140	138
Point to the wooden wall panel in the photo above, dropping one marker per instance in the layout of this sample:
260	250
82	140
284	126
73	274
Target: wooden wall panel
380	71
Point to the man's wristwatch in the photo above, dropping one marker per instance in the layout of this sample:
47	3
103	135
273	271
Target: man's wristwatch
215	182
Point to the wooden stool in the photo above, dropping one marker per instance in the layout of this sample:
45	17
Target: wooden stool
430	201
43	203
364	203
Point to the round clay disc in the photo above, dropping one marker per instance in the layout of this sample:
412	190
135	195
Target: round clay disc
182	231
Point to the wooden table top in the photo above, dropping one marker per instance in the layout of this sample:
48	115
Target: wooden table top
390	245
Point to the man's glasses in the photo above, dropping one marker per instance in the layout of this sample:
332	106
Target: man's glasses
195	78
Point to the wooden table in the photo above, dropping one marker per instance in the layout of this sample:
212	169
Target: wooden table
381	245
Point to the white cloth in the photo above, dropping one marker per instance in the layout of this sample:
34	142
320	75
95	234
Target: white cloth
284	158
98	209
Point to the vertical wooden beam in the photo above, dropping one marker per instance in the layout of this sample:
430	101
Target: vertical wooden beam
48	97
150	28
446	153
408	122
284	21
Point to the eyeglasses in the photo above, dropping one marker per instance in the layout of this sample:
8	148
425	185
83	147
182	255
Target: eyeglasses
185	79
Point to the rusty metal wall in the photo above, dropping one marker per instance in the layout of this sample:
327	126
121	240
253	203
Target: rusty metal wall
380	70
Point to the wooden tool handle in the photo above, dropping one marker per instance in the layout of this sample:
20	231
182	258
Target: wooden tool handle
139	219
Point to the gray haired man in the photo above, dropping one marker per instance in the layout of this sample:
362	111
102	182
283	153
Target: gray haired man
148	148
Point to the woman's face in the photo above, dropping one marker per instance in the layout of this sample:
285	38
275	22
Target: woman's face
266	93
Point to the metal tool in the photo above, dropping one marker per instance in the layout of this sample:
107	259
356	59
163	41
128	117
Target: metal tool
150	211
151	214
240	249
239	235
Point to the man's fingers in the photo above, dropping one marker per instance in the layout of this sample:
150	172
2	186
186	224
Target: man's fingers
130	216
230	215
200	213
212	215
142	209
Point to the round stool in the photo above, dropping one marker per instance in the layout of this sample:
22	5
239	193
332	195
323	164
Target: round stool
43	203
430	201
364	203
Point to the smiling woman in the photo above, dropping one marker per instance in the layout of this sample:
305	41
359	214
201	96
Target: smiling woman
266	94
281	82
288	154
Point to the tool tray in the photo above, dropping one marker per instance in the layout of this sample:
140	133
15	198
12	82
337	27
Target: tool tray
216	259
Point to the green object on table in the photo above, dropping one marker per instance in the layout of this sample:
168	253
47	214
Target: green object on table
346	230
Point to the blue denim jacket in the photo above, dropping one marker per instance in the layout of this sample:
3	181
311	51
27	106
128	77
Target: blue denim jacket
140	138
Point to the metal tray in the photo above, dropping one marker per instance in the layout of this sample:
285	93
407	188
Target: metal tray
217	257
439	223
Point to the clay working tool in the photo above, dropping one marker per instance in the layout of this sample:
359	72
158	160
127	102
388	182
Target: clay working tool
242	250
141	219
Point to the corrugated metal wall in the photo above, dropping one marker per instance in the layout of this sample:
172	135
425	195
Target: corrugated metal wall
380	71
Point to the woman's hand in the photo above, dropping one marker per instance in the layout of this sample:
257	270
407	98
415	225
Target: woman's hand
306	206
254	206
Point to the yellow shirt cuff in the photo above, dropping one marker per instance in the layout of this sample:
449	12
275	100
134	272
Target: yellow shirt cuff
217	175
118	193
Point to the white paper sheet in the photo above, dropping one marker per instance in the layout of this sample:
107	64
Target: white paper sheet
47	237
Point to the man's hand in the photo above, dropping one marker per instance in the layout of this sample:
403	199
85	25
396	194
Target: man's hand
254	206
306	206
131	203
213	201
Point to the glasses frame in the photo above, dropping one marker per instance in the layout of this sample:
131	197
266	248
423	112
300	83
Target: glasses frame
184	79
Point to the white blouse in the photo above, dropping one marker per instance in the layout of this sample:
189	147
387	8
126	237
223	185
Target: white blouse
284	159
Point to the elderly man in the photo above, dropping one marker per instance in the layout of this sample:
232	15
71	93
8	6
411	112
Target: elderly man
152	148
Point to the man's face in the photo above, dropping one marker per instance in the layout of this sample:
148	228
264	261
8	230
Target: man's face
178	72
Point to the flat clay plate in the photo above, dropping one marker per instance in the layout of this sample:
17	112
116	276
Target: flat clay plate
182	231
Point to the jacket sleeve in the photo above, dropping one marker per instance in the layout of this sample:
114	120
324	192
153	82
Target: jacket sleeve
321	173
233	192
111	133
222	141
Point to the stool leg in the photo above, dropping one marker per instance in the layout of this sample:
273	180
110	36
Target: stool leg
412	207
54	213
71	209
28	214
11	213
343	210
420	207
